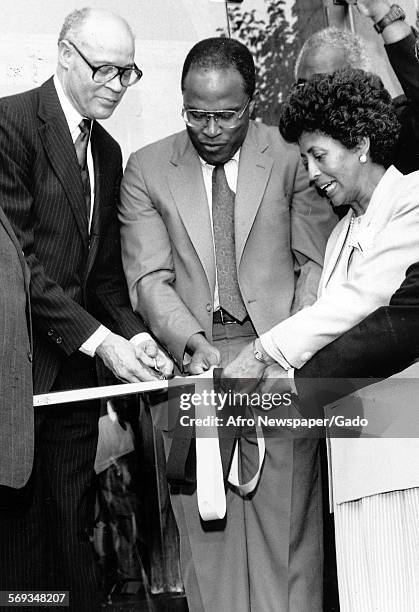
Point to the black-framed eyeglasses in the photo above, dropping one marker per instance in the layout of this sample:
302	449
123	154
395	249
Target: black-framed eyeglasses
229	119
128	75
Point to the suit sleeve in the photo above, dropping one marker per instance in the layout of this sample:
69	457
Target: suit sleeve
148	265
58	318
375	278
384	343
312	220
405	65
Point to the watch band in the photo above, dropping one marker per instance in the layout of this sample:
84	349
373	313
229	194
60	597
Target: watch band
395	13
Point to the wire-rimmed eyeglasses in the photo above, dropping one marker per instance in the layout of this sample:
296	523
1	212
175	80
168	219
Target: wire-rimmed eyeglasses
198	118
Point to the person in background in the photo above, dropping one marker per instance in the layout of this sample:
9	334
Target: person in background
329	50
347	148
16	406
60	173
221	237
333	49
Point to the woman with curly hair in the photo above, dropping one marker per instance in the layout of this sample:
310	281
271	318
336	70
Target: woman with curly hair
346	129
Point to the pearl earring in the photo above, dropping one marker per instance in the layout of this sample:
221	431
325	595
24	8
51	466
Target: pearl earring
363	158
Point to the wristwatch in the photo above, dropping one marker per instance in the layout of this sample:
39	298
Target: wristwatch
395	13
260	355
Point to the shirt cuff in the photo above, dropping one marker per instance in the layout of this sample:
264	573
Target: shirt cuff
90	346
273	351
292	381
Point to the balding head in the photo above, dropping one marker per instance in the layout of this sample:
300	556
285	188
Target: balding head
329	50
96	37
94	21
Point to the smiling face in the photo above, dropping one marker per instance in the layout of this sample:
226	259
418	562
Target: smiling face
103	39
335	170
210	90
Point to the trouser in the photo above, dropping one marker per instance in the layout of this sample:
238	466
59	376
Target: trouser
267	554
44	527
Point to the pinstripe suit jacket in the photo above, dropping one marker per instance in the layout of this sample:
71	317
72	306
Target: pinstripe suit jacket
16	411
77	281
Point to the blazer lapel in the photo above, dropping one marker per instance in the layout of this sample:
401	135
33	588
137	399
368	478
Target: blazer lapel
186	184
58	145
333	250
255	167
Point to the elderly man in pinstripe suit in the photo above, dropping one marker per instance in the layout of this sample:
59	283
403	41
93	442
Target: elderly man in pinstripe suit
59	183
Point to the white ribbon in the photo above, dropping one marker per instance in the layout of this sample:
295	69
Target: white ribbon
233	477
209	471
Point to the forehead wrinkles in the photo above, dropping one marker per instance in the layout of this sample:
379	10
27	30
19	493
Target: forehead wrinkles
106	42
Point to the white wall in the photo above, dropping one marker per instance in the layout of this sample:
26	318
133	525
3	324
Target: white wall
165	29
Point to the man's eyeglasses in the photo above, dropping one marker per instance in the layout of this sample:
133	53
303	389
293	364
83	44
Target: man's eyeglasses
128	75
197	118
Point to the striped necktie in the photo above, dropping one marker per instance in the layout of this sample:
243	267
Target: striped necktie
80	145
223	223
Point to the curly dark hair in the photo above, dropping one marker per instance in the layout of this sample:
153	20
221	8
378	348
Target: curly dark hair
346	105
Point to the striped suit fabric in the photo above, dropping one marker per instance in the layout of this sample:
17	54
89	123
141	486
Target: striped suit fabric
77	283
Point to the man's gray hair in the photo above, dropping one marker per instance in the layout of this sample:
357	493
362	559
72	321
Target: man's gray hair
74	21
352	45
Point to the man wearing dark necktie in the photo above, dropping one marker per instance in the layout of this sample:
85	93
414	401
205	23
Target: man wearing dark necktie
221	235
59	185
81	145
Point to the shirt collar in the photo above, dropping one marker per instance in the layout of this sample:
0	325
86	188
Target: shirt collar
72	115
235	158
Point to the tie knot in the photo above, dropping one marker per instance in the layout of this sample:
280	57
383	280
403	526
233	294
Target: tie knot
84	126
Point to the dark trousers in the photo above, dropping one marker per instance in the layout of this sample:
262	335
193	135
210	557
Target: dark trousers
44	527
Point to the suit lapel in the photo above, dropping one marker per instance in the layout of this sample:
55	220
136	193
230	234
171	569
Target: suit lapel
255	167
186	184
59	148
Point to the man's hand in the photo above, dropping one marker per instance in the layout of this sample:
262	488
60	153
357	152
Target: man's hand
204	355
120	357
275	380
375	9
148	351
244	372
